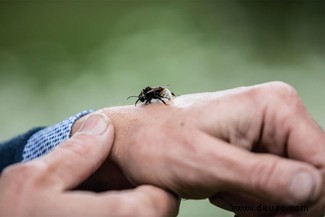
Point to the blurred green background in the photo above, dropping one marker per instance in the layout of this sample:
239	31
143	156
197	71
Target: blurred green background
60	57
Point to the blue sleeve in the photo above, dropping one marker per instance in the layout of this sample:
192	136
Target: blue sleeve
36	142
11	151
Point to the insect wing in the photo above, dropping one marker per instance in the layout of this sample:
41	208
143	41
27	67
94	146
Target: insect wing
155	89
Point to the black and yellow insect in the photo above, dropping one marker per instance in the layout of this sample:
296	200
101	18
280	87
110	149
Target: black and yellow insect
149	93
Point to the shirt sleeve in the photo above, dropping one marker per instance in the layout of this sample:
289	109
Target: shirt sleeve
11	150
37	142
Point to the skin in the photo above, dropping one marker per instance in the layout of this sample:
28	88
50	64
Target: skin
43	187
246	146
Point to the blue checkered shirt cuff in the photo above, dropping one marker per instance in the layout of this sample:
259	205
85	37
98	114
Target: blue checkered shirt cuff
48	138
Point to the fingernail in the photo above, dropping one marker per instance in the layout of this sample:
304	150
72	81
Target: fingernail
302	186
95	124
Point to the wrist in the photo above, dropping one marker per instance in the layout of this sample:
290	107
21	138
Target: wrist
121	122
109	176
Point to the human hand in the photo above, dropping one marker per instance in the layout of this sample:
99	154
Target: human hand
248	146
42	187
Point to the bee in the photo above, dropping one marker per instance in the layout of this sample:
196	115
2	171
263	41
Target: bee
149	93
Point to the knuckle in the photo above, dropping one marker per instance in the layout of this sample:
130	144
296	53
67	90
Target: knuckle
143	202
262	173
25	177
23	170
158	203
281	101
150	210
142	206
11	172
282	91
135	207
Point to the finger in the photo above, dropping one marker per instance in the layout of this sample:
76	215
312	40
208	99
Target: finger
306	140
229	168
158	202
144	201
287	122
75	159
269	118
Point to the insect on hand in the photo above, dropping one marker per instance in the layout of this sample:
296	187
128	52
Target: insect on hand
149	93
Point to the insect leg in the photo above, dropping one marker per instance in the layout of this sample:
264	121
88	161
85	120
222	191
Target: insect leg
131	97
136	102
162	100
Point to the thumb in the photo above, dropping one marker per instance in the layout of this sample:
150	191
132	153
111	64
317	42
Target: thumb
75	159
